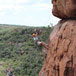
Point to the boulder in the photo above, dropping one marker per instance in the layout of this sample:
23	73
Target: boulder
64	9
61	58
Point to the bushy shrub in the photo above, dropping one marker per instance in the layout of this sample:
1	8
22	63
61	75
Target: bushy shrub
19	39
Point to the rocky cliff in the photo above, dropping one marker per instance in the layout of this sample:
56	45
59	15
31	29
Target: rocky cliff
61	58
64	9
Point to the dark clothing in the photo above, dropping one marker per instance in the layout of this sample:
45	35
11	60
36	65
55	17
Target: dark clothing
9	73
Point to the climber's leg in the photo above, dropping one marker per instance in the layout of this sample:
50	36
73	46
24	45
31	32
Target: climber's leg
38	42
44	44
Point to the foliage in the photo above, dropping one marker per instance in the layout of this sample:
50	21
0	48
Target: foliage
14	40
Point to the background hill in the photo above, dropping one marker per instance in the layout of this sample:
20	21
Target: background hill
15	40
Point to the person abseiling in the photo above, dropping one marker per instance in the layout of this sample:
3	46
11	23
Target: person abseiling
38	42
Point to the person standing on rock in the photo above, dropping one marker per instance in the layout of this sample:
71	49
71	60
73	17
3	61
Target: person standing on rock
9	71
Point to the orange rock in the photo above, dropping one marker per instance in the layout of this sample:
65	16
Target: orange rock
64	8
61	58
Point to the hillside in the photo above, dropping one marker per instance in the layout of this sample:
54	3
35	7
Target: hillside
17	39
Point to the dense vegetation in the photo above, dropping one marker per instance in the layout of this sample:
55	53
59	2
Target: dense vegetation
17	47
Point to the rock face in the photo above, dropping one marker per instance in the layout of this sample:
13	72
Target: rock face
64	8
61	59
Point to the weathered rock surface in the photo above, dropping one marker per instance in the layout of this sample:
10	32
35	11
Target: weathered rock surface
64	9
61	58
